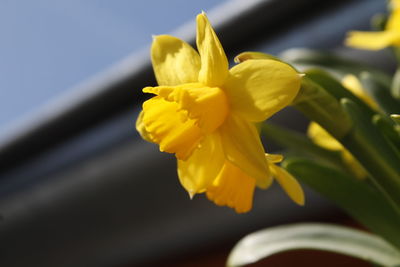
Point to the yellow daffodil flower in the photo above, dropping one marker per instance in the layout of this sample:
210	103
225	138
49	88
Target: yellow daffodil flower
205	113
390	36
322	138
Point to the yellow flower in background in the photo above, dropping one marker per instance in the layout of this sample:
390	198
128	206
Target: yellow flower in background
322	138
205	113
354	85
390	36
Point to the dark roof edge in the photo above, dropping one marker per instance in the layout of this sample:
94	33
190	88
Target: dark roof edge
113	90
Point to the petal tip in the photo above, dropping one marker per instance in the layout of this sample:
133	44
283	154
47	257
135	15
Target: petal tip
148	89
300	202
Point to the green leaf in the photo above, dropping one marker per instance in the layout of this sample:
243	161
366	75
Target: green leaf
378	22
334	87
396	84
325	237
300	144
396	118
319	105
373	151
357	197
389	130
380	93
305	58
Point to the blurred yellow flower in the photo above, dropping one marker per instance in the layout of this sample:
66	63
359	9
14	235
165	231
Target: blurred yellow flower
205	113
390	36
353	84
322	138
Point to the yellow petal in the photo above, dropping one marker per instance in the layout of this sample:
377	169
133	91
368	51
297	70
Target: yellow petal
243	147
395	4
232	188
174	61
259	88
372	40
253	55
208	106
393	23
274	158
355	167
214	64
353	84
322	138
140	127
289	184
170	128
202	167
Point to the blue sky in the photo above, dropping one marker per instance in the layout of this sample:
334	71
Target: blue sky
48	46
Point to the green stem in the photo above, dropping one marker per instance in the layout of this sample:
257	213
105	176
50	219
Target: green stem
395	90
363	202
368	145
316	103
300	144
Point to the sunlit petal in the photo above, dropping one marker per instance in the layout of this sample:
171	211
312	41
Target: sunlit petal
322	138
214	64
274	158
393	22
243	147
288	183
232	188
174	61
355	167
372	40
259	88
202	167
354	85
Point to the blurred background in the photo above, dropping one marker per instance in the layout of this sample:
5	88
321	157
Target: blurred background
78	187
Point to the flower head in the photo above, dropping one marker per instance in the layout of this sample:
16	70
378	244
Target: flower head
390	36
205	114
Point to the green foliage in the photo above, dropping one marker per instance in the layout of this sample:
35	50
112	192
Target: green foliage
369	135
372	150
339	239
380	92
357	197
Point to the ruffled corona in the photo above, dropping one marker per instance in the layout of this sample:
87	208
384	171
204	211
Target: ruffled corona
207	106
233	188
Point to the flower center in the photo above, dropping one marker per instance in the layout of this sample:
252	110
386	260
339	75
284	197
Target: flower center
208	106
178	117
